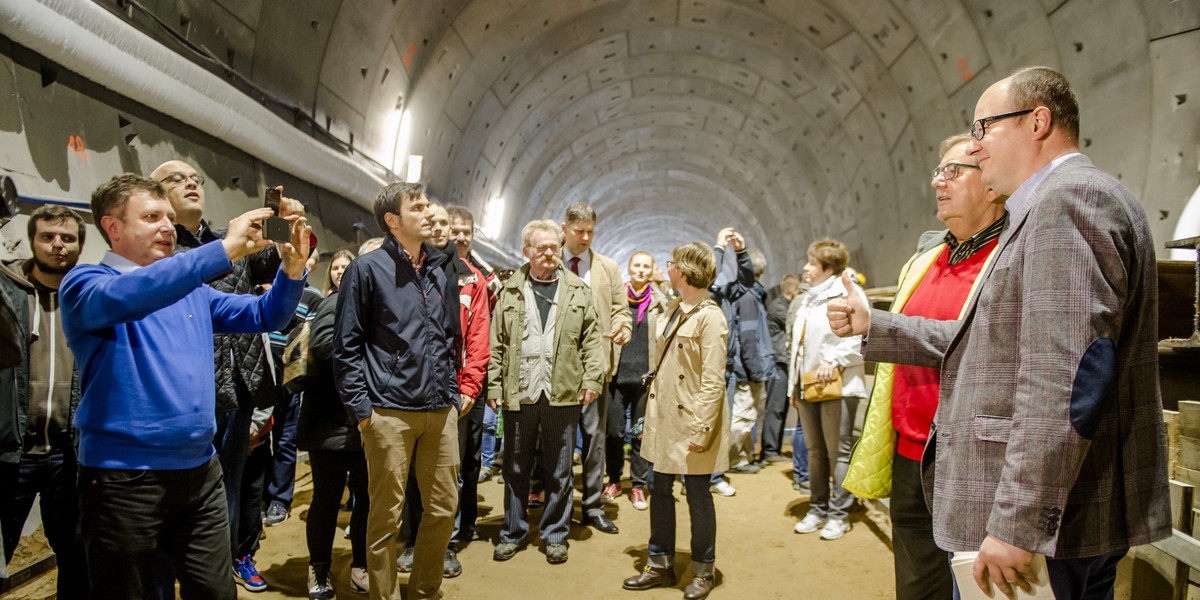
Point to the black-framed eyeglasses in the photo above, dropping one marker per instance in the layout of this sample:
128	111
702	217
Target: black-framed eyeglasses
951	170
979	128
176	178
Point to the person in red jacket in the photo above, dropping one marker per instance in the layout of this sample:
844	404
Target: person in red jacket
474	315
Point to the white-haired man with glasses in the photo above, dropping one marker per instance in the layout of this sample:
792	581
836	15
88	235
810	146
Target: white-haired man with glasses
546	366
1049	437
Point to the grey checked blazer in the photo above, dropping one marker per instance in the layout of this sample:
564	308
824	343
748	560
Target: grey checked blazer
1049	432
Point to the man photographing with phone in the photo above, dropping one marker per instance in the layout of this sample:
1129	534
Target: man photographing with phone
140	324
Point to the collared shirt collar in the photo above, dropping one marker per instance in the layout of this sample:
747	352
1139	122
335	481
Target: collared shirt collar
960	251
1016	202
120	263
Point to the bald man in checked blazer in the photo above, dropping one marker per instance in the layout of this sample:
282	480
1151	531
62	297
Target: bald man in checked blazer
1049	434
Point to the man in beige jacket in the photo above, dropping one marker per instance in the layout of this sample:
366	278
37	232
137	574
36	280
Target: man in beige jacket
613	321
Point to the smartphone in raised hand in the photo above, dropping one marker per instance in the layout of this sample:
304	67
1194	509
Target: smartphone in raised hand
276	228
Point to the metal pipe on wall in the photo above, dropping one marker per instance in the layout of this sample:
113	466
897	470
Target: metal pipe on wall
89	40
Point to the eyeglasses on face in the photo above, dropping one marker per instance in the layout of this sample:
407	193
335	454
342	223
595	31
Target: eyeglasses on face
979	128
177	178
951	170
544	248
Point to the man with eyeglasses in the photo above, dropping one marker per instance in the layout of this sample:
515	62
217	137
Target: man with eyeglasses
1049	436
603	277
243	370
935	283
546	366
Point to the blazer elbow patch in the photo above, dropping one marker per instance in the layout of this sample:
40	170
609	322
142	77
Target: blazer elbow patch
1093	386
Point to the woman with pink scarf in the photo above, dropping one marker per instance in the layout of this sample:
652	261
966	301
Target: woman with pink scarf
626	391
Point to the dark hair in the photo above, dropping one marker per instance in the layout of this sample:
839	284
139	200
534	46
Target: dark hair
109	199
391	200
458	212
343	253
55	212
580	212
1032	87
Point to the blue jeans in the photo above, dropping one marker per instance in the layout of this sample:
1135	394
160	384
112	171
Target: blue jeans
53	477
799	453
490	418
281	480
730	389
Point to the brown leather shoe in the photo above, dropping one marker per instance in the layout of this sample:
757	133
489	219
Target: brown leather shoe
650	577
698	589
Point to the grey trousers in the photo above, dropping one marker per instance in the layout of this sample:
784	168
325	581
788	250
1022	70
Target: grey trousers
829	434
593	427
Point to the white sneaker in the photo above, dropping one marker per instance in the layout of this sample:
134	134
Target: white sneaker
723	488
834	529
359	581
809	523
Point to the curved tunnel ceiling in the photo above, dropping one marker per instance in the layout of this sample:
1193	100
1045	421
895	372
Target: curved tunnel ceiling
788	119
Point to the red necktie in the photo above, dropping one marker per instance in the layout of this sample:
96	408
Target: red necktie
574	264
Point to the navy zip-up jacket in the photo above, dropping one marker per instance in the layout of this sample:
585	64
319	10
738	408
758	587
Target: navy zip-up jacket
397	342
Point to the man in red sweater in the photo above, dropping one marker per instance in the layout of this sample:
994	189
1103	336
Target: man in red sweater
935	284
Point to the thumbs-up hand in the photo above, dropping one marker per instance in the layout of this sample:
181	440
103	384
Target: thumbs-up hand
849	315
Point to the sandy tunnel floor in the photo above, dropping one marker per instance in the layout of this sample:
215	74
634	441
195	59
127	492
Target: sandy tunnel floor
758	555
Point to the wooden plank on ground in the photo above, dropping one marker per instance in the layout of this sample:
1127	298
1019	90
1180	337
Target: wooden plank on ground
1171	420
1189	453
1189	419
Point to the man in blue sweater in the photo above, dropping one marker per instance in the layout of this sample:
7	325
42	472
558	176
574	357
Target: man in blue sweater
141	325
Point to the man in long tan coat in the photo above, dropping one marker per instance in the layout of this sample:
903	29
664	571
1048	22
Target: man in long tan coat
613	321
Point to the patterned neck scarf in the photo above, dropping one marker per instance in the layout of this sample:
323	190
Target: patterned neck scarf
642	300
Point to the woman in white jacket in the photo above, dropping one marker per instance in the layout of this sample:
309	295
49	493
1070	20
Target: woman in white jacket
829	425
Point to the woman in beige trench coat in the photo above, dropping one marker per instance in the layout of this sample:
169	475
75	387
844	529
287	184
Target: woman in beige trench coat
686	428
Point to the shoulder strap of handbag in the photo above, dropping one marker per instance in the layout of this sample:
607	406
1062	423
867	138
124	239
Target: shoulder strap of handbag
682	320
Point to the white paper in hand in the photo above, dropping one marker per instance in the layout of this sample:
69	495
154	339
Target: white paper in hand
963	566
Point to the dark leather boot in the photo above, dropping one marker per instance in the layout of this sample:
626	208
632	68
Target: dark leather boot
650	577
698	589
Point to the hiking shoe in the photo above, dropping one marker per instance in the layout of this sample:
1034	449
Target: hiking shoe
835	529
277	513
745	469
611	491
556	554
505	551
486	473
246	575
638	496
319	585
405	560
359	581
450	565
809	524
723	488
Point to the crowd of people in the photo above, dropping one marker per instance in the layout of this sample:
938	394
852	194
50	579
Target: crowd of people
1014	409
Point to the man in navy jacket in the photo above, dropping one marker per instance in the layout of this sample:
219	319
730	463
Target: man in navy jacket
397	353
141	325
